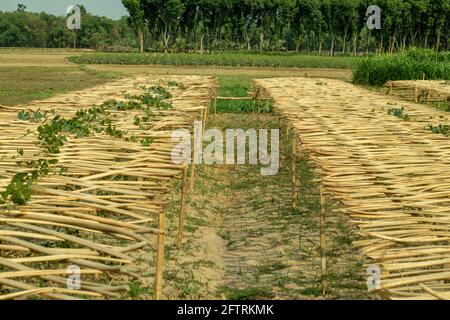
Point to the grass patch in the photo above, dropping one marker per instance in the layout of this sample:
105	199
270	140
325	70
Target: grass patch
399	113
235	59
440	129
36	83
412	65
236	86
248	294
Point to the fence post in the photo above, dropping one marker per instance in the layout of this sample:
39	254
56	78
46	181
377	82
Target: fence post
160	255
294	168
182	208
323	258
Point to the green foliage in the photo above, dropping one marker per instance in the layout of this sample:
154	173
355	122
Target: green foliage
412	65
42	30
337	26
440	129
179	85
399	113
32	116
53	134
248	294
20	188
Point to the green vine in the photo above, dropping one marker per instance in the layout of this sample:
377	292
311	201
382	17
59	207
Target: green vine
399	113
440	129
53	134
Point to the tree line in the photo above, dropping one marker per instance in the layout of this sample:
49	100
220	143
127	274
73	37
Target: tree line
245	25
41	30
291	25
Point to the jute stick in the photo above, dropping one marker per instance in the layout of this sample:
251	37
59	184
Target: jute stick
182	208
160	257
192	180
259	103
323	244
215	106
293	170
390	87
205	118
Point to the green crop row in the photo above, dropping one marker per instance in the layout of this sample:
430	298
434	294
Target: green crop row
219	59
415	64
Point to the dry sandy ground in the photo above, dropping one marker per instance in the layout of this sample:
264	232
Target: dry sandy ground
243	240
343	74
34	60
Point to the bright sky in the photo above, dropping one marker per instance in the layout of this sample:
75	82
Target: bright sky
109	8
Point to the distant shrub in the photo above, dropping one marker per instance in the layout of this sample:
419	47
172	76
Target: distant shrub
411	65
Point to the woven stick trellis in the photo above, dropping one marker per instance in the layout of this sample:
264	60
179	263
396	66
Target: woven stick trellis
391	175
421	90
107	207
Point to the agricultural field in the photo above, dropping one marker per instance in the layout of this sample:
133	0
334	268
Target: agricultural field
220	258
156	162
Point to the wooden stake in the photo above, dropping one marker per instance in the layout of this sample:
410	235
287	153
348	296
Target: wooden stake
160	257
215	106
182	208
323	244
259	103
416	95
390	87
287	128
293	169
205	117
192	180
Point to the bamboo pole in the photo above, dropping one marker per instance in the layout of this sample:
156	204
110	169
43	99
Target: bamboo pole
416	94
192	179
323	244
259	103
390	87
182	208
205	118
293	169
160	256
215	107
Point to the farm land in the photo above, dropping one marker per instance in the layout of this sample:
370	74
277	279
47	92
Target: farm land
358	209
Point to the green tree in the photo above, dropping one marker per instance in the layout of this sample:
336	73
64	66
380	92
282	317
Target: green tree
136	19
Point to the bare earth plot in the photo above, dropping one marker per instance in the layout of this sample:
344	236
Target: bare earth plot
17	59
104	202
391	174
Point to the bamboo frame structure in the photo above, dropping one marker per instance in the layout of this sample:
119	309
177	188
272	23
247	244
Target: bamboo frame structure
108	207
390	175
421	90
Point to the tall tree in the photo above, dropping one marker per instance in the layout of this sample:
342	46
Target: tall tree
166	15
136	19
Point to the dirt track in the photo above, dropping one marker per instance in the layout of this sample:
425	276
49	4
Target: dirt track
391	174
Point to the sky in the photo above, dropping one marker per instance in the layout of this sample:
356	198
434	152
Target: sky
109	8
